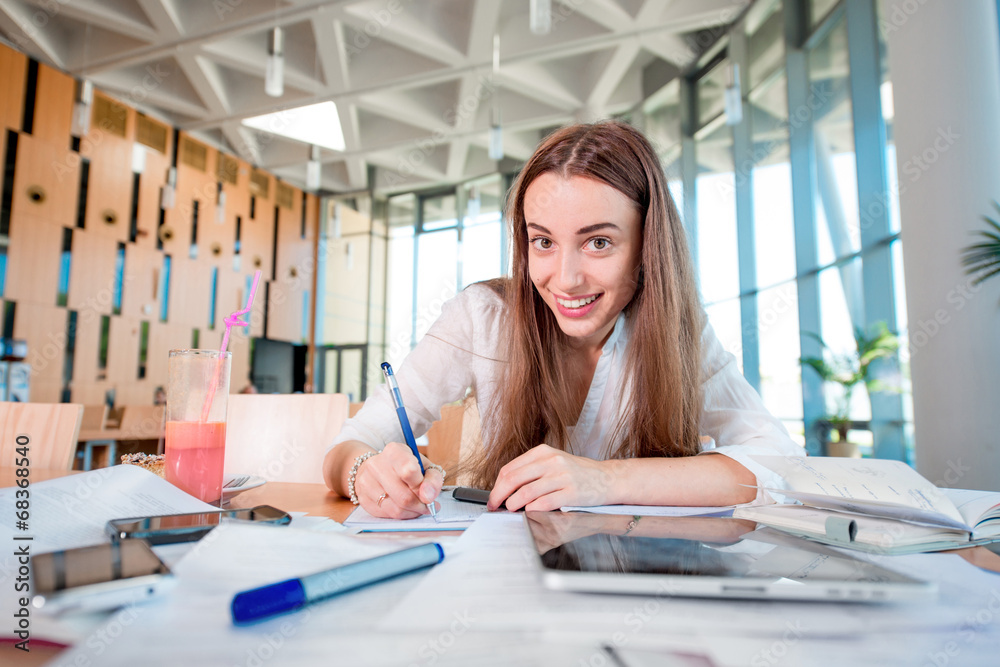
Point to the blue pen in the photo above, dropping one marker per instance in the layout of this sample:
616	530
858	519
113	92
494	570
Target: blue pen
404	422
292	594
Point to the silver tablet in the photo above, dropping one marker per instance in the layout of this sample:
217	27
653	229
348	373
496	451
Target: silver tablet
705	557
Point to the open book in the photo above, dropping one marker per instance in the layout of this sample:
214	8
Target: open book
875	505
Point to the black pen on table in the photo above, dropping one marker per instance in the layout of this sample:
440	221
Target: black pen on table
404	422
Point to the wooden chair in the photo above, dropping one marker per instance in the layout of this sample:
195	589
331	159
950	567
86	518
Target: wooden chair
95	417
282	437
353	408
455	436
143	421
51	428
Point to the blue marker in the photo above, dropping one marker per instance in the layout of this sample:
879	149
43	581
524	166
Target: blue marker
404	422
292	594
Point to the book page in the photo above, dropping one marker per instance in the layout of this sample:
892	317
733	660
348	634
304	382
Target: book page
978	508
870	486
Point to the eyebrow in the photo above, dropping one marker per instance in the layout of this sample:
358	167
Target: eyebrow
583	230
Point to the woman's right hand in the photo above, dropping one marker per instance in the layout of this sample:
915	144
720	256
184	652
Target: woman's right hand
395	473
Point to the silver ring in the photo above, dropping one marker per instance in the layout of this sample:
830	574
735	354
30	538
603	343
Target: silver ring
381	498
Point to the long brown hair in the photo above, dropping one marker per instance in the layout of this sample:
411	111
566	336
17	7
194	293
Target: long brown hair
663	355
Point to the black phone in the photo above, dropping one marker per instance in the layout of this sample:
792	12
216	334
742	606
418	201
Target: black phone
96	578
173	528
468	495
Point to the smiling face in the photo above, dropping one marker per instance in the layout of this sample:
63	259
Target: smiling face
585	244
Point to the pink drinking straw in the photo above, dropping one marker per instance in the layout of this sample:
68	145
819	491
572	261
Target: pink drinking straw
232	321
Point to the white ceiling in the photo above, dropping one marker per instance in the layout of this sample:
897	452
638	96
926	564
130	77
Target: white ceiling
411	78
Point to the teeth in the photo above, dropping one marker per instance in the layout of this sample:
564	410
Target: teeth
576	303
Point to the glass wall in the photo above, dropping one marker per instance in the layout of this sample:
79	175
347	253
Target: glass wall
802	276
744	206
439	243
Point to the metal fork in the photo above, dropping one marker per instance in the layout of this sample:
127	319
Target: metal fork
236	482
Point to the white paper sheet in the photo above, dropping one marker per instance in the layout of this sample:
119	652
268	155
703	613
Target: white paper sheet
72	511
453	515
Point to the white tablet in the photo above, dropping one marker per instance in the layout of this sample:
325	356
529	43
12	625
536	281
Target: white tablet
704	557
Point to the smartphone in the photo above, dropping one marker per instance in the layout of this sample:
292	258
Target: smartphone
173	528
97	578
478	496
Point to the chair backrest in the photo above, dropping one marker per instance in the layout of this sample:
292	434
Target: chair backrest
51	428
143	421
454	437
282	437
94	417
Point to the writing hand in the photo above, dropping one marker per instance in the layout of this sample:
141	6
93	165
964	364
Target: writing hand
544	479
396	473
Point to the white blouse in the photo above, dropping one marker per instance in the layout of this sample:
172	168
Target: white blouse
461	350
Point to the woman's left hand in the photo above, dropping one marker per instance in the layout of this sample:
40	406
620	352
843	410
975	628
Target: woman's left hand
544	479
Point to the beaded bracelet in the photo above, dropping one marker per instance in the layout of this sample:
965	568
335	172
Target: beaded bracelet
354	473
435	466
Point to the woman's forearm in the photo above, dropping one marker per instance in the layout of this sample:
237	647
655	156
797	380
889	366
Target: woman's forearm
337	464
710	480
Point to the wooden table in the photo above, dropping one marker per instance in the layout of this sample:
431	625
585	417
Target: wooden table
113	438
316	500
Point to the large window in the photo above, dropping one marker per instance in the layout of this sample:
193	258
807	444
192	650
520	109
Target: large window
747	186
439	244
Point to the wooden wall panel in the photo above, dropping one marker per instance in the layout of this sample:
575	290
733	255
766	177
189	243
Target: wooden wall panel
193	185
88	344
33	261
284	318
290	243
54	107
231	295
13	72
257	240
56	171
92	272
239	374
139	392
89	394
143	270
109	188
44	328
190	293
151	183
123	353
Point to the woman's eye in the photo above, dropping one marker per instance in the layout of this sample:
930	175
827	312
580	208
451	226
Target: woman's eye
541	243
600	244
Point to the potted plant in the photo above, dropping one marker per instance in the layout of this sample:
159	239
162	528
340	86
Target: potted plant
848	370
983	259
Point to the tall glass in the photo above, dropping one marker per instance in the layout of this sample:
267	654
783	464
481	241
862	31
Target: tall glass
195	438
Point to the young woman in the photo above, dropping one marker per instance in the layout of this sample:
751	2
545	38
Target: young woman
598	378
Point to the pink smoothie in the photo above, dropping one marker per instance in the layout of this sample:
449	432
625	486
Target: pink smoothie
194	455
